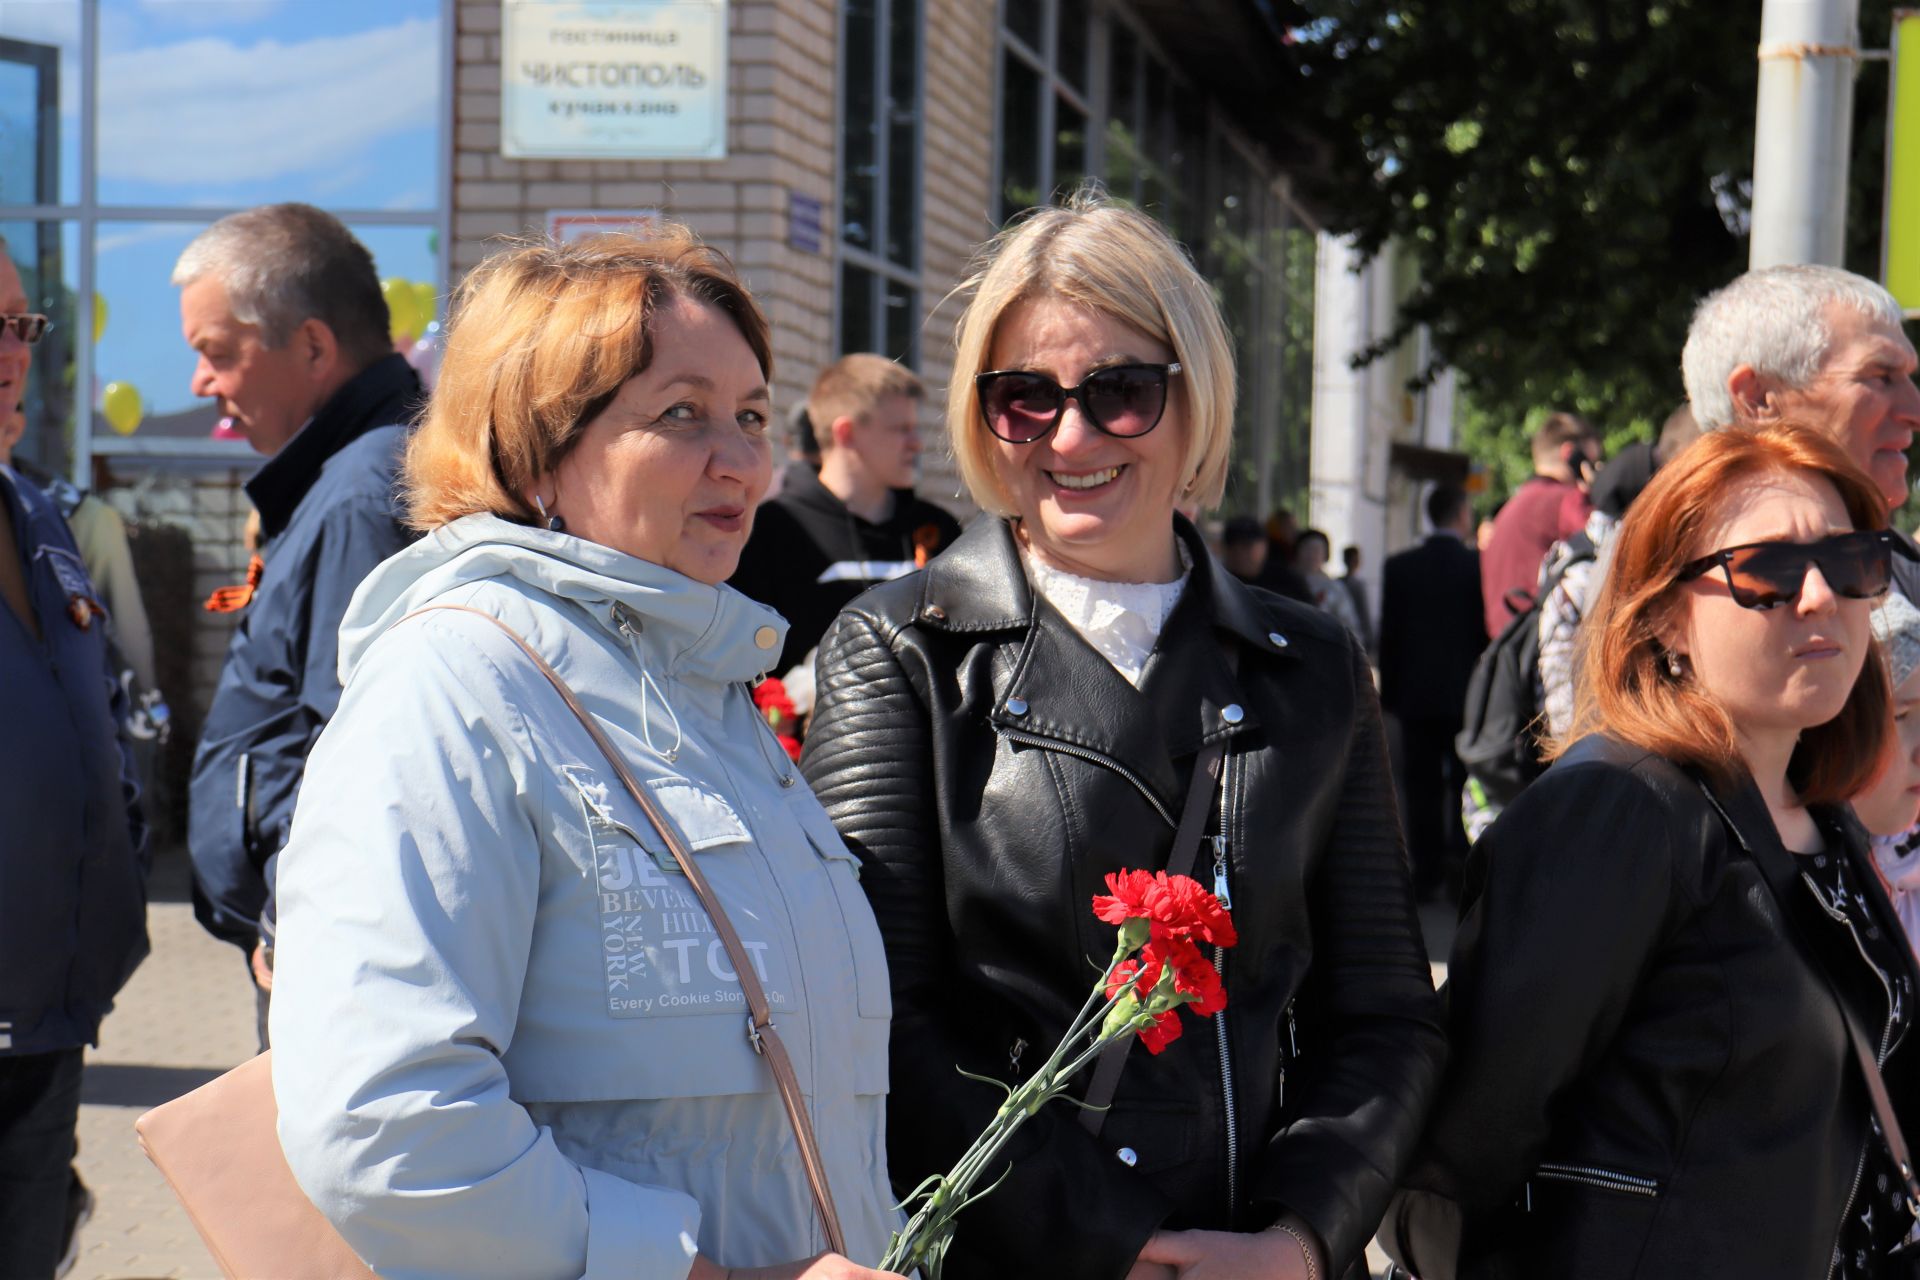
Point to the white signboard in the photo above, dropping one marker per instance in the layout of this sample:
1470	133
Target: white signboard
613	79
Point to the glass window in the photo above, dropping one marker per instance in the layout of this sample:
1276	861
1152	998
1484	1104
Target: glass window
903	324
1027	19
46	254
860	159
211	103
140	343
1020	89
40	102
1071	43
856	308
1069	146
903	135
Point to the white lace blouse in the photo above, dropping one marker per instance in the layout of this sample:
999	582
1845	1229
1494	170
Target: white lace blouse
1121	620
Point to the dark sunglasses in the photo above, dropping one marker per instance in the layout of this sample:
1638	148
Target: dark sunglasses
1123	400
1766	575
28	328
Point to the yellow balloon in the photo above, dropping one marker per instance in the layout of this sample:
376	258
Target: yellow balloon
120	406
403	308
99	316
427	298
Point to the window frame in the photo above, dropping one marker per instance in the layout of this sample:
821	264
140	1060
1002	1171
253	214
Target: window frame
89	215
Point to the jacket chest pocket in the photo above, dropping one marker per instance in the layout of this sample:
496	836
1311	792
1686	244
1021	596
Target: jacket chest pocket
658	952
862	933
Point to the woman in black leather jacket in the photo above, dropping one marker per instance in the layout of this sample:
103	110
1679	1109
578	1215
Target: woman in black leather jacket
1668	937
997	733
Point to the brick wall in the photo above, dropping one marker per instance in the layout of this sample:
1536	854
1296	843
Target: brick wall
782	130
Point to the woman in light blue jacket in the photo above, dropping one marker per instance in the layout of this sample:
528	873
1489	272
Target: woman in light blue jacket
508	1040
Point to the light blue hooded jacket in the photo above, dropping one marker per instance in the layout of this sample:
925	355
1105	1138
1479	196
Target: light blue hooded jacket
507	1041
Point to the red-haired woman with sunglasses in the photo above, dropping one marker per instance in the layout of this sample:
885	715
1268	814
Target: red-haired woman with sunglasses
997	733
1677	980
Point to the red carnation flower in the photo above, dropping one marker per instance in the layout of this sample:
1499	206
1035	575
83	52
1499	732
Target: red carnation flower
1161	1032
1176	906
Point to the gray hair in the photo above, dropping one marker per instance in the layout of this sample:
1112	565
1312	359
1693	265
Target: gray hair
285	264
1773	319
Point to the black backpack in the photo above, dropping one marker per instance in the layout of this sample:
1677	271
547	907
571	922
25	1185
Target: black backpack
1500	741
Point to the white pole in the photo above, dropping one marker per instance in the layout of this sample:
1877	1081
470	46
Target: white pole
1803	130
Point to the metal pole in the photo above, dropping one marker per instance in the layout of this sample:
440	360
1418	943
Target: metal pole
1803	130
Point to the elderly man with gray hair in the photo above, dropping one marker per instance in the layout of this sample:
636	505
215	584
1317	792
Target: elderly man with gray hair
1816	344
282	305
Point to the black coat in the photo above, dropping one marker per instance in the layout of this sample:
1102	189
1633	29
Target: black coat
990	768
1432	628
1634	996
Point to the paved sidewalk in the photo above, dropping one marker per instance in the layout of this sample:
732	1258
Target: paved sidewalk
186	1016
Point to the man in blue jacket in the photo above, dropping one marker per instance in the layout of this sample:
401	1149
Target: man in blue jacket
73	855
284	309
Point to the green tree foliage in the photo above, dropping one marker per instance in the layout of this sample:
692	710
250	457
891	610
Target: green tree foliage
1571	176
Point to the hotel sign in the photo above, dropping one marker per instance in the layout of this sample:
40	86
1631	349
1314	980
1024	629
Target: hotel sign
613	79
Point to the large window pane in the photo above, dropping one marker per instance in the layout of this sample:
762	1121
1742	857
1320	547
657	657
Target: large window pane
903	324
1072	43
141	345
860	159
215	103
903	133
1020	88
857	329
39	101
1069	147
46	254
1026	19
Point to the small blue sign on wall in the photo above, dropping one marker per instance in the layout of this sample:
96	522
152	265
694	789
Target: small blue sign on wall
803	223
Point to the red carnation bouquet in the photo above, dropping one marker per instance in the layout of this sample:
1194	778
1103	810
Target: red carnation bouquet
776	704
1157	967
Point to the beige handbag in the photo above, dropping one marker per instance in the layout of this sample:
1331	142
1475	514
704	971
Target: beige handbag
218	1149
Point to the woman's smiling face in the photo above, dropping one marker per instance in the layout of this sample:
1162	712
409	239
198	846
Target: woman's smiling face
672	469
1088	502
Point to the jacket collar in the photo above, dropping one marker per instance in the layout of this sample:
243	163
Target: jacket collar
1063	691
381	394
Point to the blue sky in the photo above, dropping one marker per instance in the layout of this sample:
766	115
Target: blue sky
220	103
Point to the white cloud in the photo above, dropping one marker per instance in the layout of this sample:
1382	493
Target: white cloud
210	13
207	111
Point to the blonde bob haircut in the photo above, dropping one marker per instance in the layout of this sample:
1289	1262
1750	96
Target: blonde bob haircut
1098	253
542	337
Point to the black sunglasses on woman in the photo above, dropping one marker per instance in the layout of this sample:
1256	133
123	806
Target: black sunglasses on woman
1766	575
1122	400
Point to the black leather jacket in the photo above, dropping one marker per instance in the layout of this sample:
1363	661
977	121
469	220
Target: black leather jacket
990	768
1651	1077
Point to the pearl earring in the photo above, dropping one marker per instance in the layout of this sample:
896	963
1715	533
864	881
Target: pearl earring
554	523
1673	666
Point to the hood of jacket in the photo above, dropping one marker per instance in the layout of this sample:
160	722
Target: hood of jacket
688	628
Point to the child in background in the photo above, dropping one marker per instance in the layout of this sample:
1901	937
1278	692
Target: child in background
1888	809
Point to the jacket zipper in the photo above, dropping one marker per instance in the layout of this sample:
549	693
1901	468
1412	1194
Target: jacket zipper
1092	757
1605	1179
1224	891
1880	1060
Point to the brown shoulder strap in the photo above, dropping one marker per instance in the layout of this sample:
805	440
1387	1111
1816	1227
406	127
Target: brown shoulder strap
760	1029
1207	769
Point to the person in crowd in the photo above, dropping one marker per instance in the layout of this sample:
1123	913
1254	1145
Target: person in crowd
1551	505
827	538
1820	345
1575	565
101	534
1311	551
1356	589
1673	937
803	452
1890	808
1244	548
586	474
282	307
1277	572
998	732
73	863
1431	634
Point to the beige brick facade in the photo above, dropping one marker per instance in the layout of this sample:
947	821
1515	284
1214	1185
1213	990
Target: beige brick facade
782	133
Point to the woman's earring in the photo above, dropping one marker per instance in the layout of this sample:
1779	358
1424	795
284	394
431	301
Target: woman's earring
1673	666
554	523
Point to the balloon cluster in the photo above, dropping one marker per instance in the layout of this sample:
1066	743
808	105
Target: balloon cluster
411	307
120	402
